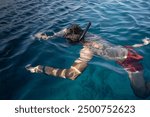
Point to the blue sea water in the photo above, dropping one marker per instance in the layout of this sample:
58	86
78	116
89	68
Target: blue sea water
121	22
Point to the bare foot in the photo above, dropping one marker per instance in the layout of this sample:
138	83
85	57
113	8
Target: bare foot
146	41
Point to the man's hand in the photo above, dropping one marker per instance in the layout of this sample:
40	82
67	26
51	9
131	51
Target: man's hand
41	36
37	69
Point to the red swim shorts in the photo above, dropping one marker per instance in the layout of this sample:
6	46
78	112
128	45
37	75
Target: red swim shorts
131	63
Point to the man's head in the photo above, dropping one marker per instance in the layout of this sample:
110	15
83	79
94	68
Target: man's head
73	33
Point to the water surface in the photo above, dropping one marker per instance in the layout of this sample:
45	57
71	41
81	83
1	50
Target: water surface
122	22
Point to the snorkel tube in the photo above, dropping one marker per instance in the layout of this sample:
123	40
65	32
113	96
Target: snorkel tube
85	31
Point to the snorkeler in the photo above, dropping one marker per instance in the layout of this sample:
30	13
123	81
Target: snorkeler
125	56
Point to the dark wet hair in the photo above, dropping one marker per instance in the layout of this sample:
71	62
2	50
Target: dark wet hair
74	33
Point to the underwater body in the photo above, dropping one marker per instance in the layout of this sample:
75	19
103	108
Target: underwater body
120	22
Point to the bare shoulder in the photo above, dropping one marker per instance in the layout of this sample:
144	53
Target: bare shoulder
86	54
86	49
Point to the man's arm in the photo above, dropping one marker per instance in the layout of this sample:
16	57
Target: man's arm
73	72
46	37
140	87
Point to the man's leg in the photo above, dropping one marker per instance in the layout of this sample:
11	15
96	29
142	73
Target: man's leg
139	86
146	41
